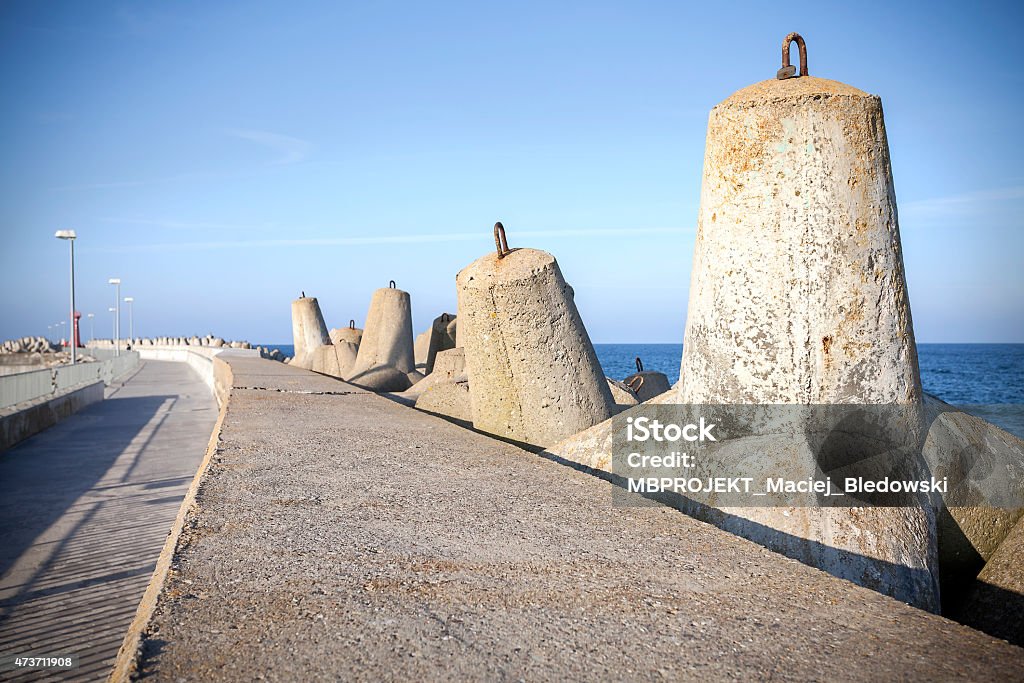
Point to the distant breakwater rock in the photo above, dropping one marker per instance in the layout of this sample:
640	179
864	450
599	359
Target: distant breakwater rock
29	345
208	341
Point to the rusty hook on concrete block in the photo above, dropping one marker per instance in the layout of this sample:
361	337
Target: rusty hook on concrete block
391	284
638	380
788	71
499	240
351	324
303	295
639	364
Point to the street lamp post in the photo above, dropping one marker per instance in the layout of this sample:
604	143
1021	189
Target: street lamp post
131	317
92	326
113	329
116	281
69	235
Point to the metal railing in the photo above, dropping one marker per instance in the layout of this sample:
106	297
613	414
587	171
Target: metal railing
35	384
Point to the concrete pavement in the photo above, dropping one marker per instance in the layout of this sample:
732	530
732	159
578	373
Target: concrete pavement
340	536
84	510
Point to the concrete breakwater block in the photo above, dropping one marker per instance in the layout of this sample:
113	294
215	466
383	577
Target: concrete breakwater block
453	331
536	378
325	361
308	331
621	394
646	384
421	347
449	368
350	334
798	297
346	353
385	361
995	601
798	292
440	339
977	515
450	399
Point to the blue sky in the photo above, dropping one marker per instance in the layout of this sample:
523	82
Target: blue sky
222	157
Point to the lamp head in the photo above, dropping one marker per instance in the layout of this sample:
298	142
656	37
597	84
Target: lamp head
114	281
129	299
65	234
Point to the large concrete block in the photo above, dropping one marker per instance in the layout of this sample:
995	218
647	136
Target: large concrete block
646	384
978	514
350	334
798	296
450	399
386	343
798	293
308	330
536	378
421	348
440	339
346	353
995	601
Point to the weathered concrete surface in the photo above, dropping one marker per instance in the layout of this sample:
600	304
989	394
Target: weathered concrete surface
621	394
798	293
979	514
440	339
449	367
389	544
309	332
647	384
535	375
346	352
350	334
798	296
421	348
84	511
995	602
449	399
386	356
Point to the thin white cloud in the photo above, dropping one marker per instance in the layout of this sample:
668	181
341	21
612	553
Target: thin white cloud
968	201
177	225
290	150
436	238
287	149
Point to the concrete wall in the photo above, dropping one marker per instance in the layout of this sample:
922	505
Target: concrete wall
18	425
199	358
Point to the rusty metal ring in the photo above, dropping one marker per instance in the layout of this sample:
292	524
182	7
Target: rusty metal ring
351	324
638	380
500	243
788	71
639	364
391	284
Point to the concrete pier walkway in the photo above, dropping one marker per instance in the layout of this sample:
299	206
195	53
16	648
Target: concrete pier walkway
85	508
341	536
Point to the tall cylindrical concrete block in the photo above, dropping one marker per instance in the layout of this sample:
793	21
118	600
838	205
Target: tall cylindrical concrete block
798	293
386	342
536	378
798	296
308	330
